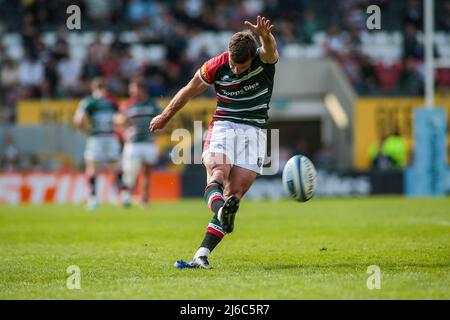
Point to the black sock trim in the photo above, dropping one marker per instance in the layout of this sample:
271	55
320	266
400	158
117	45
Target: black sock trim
210	241
92	183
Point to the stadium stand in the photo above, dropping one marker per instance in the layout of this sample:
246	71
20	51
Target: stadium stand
121	38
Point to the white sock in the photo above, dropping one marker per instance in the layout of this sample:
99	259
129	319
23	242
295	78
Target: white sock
202	251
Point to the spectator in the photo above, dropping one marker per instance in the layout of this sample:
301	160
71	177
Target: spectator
97	51
140	10
336	43
354	41
69	74
129	66
444	17
117	45
156	86
99	11
50	86
287	30
31	75
356	17
410	82
110	69
413	13
368	83
10	76
10	156
61	47
193	8
29	33
396	148
253	7
379	160
10	90
177	43
310	27
411	47
90	69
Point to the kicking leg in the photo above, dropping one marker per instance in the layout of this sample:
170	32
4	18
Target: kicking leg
218	168
240	180
238	183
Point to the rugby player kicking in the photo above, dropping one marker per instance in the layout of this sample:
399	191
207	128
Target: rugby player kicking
243	80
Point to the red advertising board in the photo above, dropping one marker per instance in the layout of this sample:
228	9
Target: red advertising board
72	188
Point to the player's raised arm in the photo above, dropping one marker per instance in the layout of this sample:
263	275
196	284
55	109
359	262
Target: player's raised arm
195	87
268	51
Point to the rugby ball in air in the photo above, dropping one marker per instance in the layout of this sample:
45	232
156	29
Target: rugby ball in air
299	178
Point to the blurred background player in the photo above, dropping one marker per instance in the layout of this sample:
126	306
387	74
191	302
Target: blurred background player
243	79
140	151
95	116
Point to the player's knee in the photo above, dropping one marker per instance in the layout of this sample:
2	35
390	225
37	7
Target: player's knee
218	173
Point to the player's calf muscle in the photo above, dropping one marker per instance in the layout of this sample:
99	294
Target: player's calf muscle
216	170
237	191
238	184
218	173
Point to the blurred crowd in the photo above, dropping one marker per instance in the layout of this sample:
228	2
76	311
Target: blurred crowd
49	71
404	76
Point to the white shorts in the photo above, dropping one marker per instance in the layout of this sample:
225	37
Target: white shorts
102	148
243	144
143	152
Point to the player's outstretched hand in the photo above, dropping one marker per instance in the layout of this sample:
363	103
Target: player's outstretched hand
158	122
262	27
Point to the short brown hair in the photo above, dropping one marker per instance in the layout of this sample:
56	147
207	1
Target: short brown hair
97	83
242	46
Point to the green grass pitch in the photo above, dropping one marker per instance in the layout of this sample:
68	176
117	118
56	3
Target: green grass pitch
279	250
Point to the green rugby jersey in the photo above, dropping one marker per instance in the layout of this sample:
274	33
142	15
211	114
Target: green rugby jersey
101	113
240	98
139	116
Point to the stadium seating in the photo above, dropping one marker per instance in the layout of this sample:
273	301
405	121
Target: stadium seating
380	46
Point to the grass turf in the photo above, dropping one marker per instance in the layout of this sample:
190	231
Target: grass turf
279	250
